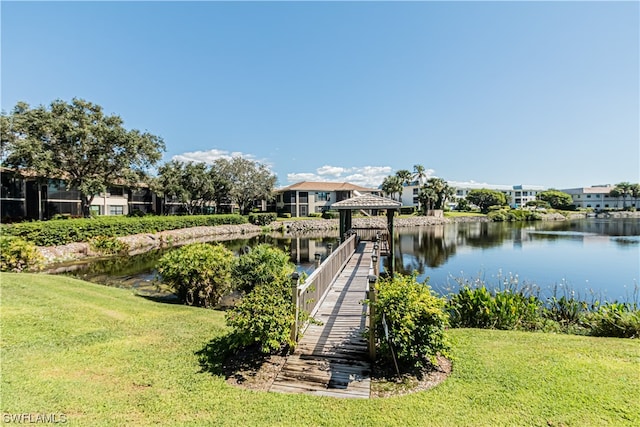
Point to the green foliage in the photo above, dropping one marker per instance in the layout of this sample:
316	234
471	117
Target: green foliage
263	265
263	317
330	214
485	198
407	210
614	320
108	245
415	318
18	255
77	140
498	214
61	232
262	218
284	215
200	273
315	215
248	180
556	199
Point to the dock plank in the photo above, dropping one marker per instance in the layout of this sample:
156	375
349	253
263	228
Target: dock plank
331	358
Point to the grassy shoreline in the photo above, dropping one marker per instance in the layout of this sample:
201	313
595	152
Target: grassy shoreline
103	356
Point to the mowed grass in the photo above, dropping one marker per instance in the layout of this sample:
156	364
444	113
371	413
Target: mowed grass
103	356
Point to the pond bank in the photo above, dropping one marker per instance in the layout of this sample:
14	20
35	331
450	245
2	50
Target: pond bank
139	243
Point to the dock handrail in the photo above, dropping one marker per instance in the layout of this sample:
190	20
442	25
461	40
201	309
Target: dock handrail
307	296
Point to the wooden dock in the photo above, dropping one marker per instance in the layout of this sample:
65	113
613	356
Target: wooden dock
332	359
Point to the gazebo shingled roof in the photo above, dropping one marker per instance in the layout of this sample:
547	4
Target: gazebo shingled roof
367	201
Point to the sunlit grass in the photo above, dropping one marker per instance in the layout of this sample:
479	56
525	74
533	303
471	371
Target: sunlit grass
103	356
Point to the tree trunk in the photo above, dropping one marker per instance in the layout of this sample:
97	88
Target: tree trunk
86	205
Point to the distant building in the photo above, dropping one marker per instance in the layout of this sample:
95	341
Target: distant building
26	196
517	195
304	198
597	198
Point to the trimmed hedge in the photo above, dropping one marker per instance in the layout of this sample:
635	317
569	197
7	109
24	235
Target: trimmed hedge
262	218
61	232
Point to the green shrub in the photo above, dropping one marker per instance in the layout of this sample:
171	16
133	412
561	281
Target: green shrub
263	265
200	273
262	218
330	214
18	255
614	320
407	210
61	232
264	317
315	215
415	318
500	309
108	245
284	215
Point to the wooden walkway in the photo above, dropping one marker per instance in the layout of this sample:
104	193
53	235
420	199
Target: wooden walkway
332	359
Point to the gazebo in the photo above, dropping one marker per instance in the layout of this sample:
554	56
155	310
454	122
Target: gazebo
368	202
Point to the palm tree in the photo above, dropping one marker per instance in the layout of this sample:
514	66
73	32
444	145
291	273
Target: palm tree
427	197
405	176
420	173
623	189
392	185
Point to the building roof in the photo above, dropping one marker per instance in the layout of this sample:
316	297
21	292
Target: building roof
367	201
326	186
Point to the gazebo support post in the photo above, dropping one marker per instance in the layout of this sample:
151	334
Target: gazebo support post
392	258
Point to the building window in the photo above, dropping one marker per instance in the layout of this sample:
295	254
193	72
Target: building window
415	191
96	210
116	210
116	191
322	196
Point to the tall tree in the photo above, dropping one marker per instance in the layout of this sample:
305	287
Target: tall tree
427	198
77	142
405	176
248	180
624	190
191	184
392	185
556	199
442	190
485	198
420	174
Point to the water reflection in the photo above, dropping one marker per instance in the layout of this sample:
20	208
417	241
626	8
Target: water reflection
602	255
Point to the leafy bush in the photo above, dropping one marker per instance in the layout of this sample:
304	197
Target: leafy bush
61	232
315	214
108	245
18	255
262	218
500	215
330	214
263	317
263	265
614	320
407	210
501	309
415	318
200	273
284	215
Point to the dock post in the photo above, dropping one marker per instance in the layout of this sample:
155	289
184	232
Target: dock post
296	311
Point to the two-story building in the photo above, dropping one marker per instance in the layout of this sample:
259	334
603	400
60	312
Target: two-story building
517	195
304	198
597	197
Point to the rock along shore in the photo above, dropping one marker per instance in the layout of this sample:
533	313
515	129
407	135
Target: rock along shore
139	243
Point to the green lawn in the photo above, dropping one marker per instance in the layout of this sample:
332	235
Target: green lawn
103	356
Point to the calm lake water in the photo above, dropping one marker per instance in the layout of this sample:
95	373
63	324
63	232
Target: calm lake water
593	257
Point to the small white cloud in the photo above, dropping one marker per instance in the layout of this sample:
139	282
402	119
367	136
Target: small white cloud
366	176
210	156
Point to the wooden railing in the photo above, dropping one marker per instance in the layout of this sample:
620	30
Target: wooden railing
307	296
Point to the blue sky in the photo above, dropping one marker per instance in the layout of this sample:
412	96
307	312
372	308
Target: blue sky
539	93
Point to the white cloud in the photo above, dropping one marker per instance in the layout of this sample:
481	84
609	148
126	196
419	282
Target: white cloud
367	176
210	156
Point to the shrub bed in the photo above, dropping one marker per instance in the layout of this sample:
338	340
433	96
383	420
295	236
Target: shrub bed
62	232
18	255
